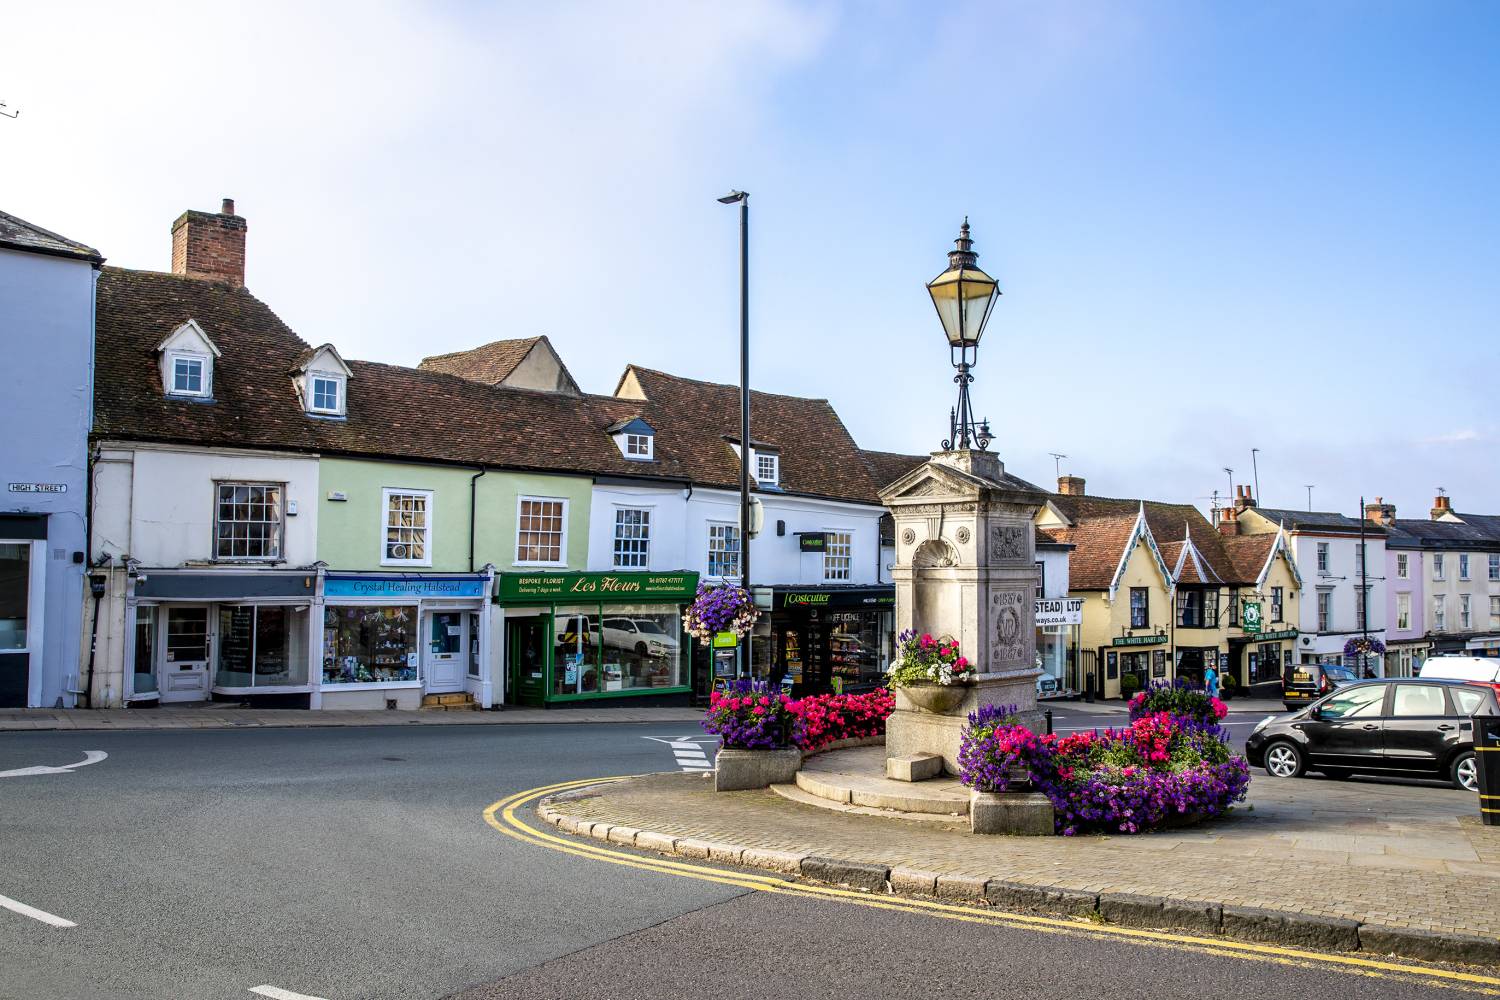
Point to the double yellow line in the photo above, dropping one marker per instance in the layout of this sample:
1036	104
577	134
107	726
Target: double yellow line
503	816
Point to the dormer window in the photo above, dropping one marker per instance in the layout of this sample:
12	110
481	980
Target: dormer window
327	394
767	467
188	375
322	380
636	439
186	363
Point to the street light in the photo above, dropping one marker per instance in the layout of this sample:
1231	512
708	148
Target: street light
742	199
963	296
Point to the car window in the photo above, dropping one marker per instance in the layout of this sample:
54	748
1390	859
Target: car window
1467	700
1360	701
1418	699
1339	673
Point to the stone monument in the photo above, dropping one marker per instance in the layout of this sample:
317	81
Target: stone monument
965	569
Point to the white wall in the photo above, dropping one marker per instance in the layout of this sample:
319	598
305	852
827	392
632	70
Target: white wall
156	504
1054	571
679	532
1342	576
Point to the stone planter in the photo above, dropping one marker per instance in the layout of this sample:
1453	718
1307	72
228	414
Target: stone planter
736	770
939	699
1023	814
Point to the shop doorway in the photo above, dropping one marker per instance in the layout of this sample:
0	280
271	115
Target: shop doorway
447	651
184	670
1191	664
526	652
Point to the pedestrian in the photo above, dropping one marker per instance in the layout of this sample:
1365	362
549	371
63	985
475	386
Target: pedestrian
1211	682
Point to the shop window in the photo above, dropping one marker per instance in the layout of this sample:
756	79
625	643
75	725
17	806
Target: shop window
723	551
369	645
767	467
264	646
854	648
408	528
1266	667
190	374
642	647
838	555
632	548
248	525
1140	607
575	650
474	644
144	681
541	531
15	594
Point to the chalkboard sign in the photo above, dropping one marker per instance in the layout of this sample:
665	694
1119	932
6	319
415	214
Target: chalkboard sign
1111	665
236	641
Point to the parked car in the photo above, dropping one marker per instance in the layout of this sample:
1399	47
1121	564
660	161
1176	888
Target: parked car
1414	728
1482	669
1303	683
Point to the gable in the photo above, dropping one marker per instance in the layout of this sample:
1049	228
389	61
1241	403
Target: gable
190	338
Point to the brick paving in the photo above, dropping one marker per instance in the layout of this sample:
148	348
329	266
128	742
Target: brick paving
1396	855
233	717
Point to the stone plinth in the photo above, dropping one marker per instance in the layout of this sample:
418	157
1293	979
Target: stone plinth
913	730
736	770
1016	814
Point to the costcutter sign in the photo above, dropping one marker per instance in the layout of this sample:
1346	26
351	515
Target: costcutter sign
1059	611
402	586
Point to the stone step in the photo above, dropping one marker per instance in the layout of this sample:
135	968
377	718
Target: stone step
877	792
456	699
794	794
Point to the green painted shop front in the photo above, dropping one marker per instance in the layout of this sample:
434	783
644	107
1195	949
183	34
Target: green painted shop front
591	638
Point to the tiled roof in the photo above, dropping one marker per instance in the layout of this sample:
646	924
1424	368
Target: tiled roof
818	456
428	415
1419	533
489	363
1102	525
1247	554
1316	520
1488	523
18	234
887	466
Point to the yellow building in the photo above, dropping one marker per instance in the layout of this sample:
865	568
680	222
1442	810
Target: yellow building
1163	591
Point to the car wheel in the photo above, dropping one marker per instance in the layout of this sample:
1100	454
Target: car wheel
640	649
1283	760
1465	772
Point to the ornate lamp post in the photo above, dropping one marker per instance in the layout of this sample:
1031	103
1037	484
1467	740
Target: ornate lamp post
963	296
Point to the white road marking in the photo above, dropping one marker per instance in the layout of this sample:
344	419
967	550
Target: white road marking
277	993
89	757
35	914
690	750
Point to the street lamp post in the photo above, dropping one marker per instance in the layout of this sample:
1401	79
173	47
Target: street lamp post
963	296
742	199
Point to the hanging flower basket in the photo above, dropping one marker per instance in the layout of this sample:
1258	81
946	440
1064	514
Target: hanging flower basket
720	609
1362	646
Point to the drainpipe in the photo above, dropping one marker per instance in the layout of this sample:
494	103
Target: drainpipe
473	492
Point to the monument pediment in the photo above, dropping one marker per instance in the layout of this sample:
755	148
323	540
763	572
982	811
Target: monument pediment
933	481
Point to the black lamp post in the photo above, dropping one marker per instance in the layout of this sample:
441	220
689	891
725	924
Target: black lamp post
963	296
742	199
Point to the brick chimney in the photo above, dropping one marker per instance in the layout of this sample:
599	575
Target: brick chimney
1242	499
1383	514
1441	505
1229	521
1070	486
210	246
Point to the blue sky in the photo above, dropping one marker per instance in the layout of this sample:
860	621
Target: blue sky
1217	226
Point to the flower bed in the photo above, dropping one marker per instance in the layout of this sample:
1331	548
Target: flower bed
1162	768
921	659
748	716
1180	699
827	718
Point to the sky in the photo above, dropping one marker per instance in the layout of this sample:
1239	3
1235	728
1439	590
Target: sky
1217	227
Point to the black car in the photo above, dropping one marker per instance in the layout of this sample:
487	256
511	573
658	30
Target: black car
1397	728
1305	682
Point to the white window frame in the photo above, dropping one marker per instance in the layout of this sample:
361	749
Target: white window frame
848	557
1324	609
628	440
1322	557
1403	611
772	457
615	539
1463	565
280	555
562	545
1439	613
385	524
1494	566
1437	567
1494	610
1465	613
205	371
340	384
1403	566
708	551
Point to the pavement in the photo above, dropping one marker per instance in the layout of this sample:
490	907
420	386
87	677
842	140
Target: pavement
225	715
1334	858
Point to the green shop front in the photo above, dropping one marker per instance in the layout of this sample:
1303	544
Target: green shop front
591	638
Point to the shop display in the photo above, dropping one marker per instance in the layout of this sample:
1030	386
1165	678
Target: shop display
364	645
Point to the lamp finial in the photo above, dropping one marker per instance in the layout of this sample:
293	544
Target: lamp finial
963	254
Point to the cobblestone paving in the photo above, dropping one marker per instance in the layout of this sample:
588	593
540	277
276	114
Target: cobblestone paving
1399	855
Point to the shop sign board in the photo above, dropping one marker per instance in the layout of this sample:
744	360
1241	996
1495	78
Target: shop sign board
1250	617
853	597
522	588
403	586
1137	640
813	541
1059	611
1289	633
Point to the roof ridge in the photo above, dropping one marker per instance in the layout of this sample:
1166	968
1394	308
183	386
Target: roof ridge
726	385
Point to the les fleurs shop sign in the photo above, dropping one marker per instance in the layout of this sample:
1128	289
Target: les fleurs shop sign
546	588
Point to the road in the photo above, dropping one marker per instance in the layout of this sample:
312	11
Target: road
356	863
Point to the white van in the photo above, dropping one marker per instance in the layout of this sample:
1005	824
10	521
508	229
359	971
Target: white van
1484	669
